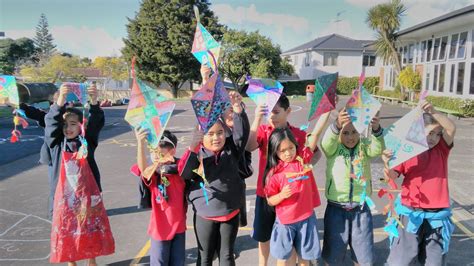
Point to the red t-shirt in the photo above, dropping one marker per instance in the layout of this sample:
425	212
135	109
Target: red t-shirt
168	219
305	198
425	183
263	134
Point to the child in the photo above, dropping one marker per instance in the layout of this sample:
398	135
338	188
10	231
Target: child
425	208
80	227
346	221
291	188
259	135
216	193
168	217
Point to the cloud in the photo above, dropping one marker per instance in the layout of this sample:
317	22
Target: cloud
366	3
83	41
344	27
241	15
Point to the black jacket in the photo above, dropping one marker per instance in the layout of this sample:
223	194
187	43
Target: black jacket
222	172
38	115
54	138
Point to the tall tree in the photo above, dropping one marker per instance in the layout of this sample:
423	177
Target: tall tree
385	19
44	39
112	67
251	54
161	37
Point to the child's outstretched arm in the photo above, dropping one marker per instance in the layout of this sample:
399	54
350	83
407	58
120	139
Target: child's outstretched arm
447	124
376	145
34	113
241	128
96	120
260	112
318	129
53	131
276	199
388	173
141	134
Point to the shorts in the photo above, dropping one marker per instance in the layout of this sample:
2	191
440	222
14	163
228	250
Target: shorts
263	220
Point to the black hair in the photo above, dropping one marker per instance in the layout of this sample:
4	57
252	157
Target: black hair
283	102
73	111
167	134
429	119
277	136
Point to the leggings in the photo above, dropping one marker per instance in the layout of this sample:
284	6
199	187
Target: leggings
208	233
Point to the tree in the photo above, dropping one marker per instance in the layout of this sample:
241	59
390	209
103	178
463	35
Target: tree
161	37
57	68
251	54
14	53
112	67
44	40
385	19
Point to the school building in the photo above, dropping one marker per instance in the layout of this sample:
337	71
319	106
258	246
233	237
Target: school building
441	50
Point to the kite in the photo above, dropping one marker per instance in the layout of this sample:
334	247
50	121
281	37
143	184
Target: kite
9	90
265	91
362	107
210	102
148	109
205	48
78	92
324	99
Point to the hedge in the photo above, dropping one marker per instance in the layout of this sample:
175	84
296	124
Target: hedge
345	85
463	106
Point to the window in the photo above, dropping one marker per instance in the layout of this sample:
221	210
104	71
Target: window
435	78
410	53
442	51
427	78
436	49
330	59
462	45
472	44
307	59
368	60
451	80
441	77
460	78
405	54
471	86
452	49
296	60
423	51
428	54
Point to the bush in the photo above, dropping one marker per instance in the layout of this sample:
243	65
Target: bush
390	93
410	79
463	106
345	85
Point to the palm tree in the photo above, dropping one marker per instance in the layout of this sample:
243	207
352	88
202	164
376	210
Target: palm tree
385	19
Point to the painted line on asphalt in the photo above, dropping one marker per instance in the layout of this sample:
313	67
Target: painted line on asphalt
462	227
141	254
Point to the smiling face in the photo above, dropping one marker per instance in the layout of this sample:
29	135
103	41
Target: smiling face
434	133
72	126
349	136
286	150
278	117
214	139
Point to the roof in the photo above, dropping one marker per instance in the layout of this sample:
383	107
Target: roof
331	42
450	15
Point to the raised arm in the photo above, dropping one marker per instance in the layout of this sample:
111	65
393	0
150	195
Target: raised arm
377	144
331	137
141	135
447	124
241	128
318	129
260	112
34	113
53	131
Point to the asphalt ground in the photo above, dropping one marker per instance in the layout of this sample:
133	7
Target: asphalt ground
25	231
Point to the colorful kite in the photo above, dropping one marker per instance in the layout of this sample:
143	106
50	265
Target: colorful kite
362	107
210	102
205	48
148	109
406	137
265	91
78	92
324	98
9	90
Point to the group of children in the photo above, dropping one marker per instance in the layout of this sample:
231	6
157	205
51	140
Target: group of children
211	176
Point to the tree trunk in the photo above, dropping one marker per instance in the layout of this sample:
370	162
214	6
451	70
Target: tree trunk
174	89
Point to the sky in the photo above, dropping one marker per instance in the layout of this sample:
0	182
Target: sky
91	28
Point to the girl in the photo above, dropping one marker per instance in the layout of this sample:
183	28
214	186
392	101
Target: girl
168	217
291	188
346	220
216	192
80	227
